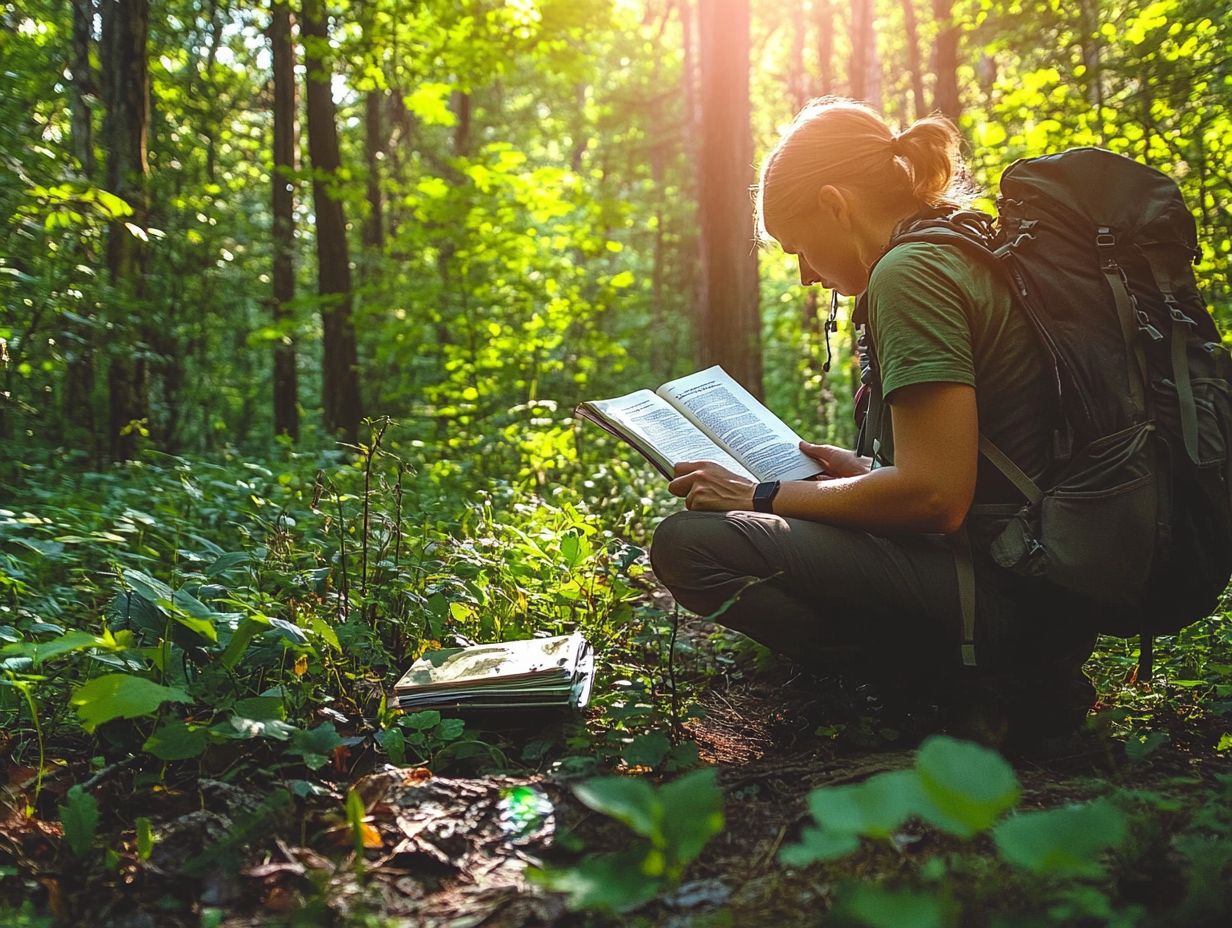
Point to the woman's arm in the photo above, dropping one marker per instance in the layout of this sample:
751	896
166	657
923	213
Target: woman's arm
928	489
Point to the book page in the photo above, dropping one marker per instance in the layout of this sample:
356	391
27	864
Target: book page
661	433
755	436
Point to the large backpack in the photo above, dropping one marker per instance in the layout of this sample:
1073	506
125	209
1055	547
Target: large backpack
1135	513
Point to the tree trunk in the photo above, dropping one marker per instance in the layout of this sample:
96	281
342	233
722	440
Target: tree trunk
79	378
945	60
286	386
340	374
796	79
126	78
730	314
823	12
911	27
374	150
864	67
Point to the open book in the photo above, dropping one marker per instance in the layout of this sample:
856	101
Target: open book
531	673
706	416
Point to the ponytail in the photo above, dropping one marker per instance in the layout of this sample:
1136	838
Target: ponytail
844	143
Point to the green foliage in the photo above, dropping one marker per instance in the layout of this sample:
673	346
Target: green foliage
79	816
121	696
958	787
674	821
1063	842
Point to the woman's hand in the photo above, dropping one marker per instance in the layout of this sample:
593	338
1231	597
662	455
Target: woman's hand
838	462
710	486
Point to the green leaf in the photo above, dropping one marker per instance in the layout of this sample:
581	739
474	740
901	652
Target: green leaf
818	844
121	696
693	807
1061	842
315	745
629	800
226	562
260	707
239	642
177	741
145	837
647	750
882	908
39	651
421	721
393	743
79	816
967	787
604	883
876	807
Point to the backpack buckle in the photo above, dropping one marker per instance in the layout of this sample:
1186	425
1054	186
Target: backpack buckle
1104	238
1174	310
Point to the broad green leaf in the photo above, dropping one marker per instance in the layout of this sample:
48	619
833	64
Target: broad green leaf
629	800
260	707
79	816
421	721
605	883
693	814
818	844
1062	842
226	562
875	808
177	741
967	787
646	750
121	696
315	745
884	908
39	651
393	743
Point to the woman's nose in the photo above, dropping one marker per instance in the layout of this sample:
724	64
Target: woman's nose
807	274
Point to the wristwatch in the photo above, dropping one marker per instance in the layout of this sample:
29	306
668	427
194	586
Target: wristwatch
763	496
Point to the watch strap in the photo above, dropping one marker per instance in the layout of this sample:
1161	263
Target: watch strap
763	495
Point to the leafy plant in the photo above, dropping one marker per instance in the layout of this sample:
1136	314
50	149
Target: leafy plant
674	821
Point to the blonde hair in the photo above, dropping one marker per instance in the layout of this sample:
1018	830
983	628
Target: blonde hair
845	143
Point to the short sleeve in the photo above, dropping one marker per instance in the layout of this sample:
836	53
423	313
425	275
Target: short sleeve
919	310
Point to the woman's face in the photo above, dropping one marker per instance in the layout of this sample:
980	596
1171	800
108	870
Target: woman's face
822	239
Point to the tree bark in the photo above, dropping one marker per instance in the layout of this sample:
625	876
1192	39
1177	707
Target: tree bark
730	314
79	378
127	95
374	151
340	373
286	386
911	27
823	13
864	67
945	60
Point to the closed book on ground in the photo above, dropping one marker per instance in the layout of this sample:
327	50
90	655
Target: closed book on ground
531	673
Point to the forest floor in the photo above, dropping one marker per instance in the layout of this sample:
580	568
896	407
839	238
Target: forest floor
450	852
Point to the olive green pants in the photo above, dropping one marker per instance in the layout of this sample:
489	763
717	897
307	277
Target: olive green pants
806	589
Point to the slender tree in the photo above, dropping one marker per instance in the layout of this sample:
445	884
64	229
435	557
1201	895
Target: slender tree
79	379
286	408
125	32
340	374
945	60
823	14
915	71
730	315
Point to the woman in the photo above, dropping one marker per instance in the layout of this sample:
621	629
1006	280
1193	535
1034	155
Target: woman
861	558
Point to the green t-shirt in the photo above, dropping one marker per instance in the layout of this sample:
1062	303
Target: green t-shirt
938	316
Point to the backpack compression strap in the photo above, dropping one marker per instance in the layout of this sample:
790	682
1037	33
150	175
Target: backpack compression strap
1181	327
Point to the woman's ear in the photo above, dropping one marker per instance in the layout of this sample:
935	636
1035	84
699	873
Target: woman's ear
835	205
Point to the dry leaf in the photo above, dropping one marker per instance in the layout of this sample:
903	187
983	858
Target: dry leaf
301	665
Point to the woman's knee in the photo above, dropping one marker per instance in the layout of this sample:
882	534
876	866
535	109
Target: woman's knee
675	552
